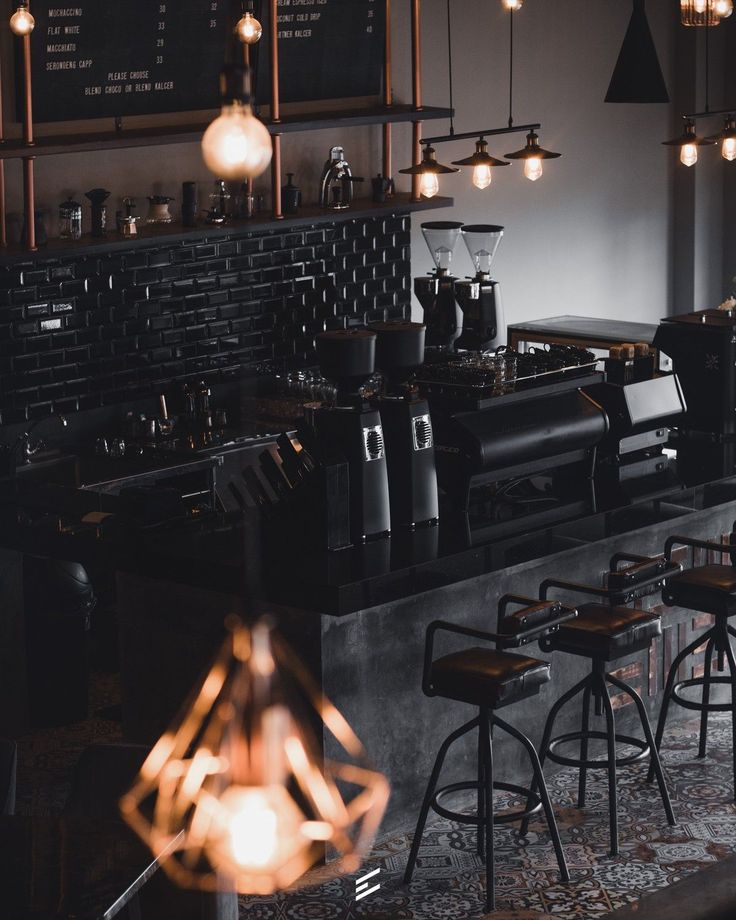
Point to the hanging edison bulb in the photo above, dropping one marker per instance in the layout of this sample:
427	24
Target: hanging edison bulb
249	29
236	145
429	184
429	171
533	169
237	791
483	164
727	139
689	154
21	22
513	5
533	155
482	176
689	142
723	8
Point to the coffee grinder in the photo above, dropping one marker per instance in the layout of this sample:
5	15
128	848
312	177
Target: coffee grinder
407	426
347	357
484	321
436	293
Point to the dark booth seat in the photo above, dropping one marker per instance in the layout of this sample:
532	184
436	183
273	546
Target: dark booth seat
606	633
485	677
708	588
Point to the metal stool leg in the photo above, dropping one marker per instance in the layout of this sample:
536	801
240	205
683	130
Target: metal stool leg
487	744
706	698
732	668
543	793
671	679
602	692
584	748
480	838
549	725
429	793
656	763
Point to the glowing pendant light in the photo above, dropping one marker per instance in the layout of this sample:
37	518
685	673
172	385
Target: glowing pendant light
249	29
704	12
236	145
727	139
483	164
21	22
533	156
237	793
688	142
429	170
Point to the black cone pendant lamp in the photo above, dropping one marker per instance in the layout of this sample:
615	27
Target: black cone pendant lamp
637	76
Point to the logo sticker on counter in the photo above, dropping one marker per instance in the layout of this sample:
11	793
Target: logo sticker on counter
363	887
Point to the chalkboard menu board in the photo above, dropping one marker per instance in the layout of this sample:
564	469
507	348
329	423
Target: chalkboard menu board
108	58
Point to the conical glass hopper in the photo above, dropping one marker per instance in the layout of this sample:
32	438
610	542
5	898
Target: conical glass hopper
441	237
482	241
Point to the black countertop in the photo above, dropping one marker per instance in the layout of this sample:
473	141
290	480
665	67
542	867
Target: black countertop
208	550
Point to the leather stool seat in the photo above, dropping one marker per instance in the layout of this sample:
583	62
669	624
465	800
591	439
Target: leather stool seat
485	677
708	588
606	633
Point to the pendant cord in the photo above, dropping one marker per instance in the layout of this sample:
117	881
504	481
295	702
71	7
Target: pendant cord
449	67
511	68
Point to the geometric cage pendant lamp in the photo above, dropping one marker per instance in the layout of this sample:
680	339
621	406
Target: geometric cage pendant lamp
704	12
238	794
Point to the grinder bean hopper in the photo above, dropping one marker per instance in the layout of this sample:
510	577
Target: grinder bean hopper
484	321
436	292
347	358
407	425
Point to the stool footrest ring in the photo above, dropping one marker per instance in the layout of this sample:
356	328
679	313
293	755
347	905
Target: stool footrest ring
699	706
505	817
642	752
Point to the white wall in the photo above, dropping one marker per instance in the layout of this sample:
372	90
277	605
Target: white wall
592	235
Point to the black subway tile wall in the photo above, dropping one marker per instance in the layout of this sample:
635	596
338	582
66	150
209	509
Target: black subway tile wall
88	331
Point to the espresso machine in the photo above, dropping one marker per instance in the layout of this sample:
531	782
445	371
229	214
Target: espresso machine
407	425
347	358
443	317
336	183
484	321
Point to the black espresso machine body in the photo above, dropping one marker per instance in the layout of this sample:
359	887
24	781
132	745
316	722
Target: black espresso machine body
354	428
491	429
407	426
702	347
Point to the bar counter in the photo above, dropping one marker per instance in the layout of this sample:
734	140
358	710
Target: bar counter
358	617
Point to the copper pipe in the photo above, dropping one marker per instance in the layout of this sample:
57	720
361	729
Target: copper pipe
246	64
416	67
416	52
29	194
387	152
276	177
388	95
27	92
274	37
416	158
29	203
275	111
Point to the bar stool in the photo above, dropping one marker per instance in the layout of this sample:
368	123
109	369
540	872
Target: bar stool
605	633
489	679
707	589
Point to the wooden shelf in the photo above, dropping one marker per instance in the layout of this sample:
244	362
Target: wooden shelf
175	233
55	145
